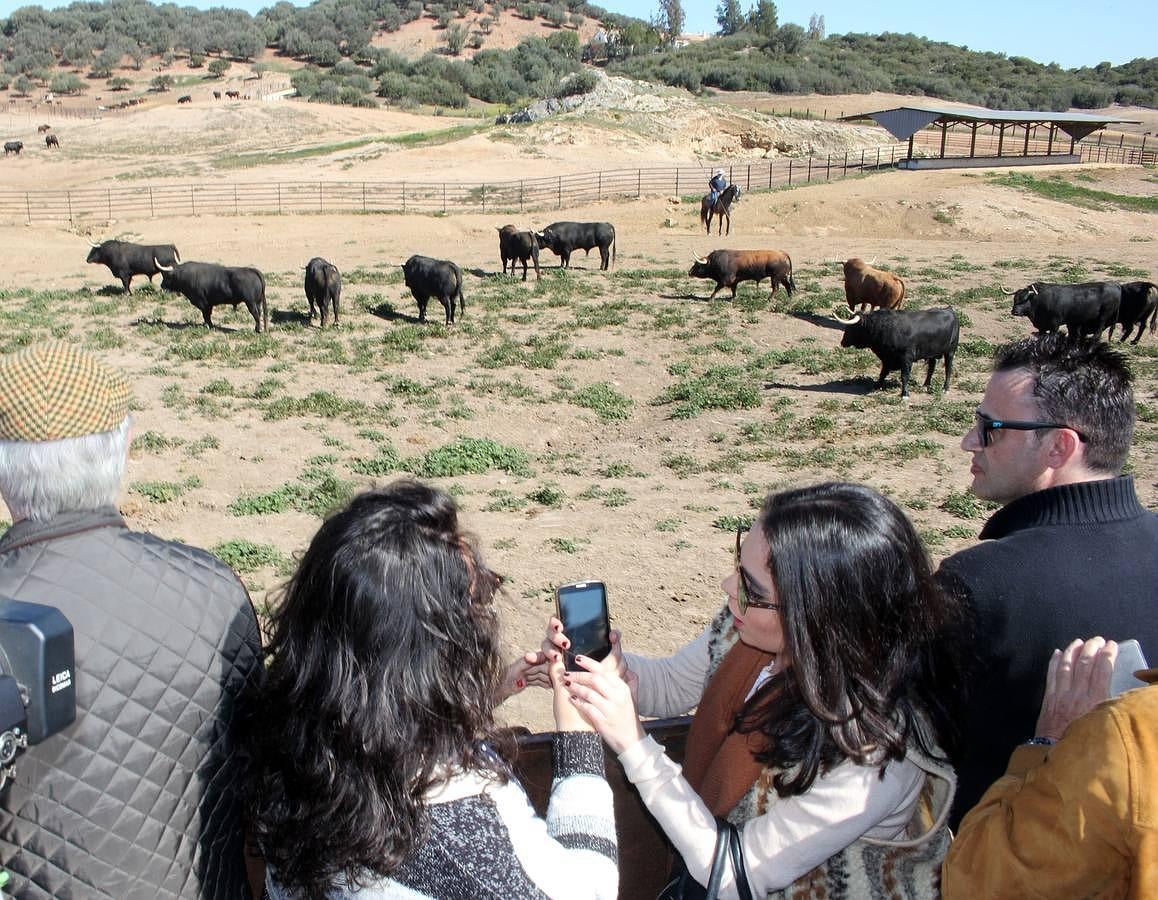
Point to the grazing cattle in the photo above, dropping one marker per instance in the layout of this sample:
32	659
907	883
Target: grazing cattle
126	260
217	95
439	278
207	285
729	267
722	208
185	98
1085	309
40	129
866	286
323	288
50	141
13	147
901	337
563	238
515	245
1139	303
233	95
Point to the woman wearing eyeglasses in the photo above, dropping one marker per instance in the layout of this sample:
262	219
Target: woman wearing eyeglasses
373	763
826	691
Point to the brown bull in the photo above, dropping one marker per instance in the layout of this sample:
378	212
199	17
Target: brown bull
729	267
867	287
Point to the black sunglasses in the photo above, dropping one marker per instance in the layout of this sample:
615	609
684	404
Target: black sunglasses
744	599
986	425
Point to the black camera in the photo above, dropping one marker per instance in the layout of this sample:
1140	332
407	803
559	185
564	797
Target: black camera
37	689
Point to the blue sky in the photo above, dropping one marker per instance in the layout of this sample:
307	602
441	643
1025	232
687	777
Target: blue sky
1069	33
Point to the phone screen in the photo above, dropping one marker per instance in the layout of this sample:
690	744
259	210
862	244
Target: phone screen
583	612
1130	660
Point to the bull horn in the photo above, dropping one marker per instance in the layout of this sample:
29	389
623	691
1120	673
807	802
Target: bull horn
176	255
160	267
851	321
93	244
1033	290
702	260
1007	293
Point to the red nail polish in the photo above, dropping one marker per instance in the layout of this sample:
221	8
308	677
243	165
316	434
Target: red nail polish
520	684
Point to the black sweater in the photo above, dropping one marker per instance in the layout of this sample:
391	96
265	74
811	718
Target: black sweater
1068	562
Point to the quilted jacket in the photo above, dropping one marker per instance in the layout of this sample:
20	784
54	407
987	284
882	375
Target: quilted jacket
136	799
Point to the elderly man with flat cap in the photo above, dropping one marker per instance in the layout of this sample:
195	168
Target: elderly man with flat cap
137	798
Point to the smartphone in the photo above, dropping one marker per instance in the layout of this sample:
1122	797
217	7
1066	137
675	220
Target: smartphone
582	607
1130	660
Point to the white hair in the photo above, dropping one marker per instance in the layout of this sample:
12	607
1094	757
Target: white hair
41	479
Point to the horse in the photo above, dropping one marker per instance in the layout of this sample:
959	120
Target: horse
722	208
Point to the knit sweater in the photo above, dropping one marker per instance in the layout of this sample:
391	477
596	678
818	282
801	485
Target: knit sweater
486	843
1073	561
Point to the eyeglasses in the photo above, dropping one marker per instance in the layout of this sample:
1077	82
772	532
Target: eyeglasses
986	425
744	598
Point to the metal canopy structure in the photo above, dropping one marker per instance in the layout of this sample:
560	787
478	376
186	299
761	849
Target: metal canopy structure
903	122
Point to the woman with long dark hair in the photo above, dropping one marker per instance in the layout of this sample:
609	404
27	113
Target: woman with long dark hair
826	692
373	763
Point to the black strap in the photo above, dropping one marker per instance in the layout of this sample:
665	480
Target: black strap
743	888
717	873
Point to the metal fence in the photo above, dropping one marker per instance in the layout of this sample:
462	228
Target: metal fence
223	198
528	194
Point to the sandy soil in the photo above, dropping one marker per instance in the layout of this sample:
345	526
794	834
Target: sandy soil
663	583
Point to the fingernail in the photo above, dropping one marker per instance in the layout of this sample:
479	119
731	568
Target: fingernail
520	684
566	682
579	658
566	644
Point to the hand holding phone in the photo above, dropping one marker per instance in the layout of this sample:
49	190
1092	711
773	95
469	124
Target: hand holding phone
582	608
1129	661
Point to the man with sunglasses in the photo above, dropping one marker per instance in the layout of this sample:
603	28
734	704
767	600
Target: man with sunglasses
1072	551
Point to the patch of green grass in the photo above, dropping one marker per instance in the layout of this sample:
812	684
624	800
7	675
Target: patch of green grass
671	523
720	387
682	464
504	501
206	442
619	469
323	404
604	400
733	523
536	352
1057	188
567	545
153	442
549	495
244	556
383	462
164	491
317	491
963	504
469	456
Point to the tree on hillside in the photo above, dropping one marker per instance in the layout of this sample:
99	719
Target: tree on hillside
671	18
218	67
455	39
816	27
161	83
119	83
729	16
762	18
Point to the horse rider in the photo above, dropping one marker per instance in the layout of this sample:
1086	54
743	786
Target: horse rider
716	186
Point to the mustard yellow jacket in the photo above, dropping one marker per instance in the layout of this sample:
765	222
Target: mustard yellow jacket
1079	819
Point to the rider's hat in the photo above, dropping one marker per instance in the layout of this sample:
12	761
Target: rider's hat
718	172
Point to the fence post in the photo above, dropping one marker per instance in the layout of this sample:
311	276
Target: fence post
192	200
28	208
520	195
862	157
790	172
748	179
828	167
152	210
879	156
444	197
678	172
404	196
69	195
809	180
769	174
845	163
484	198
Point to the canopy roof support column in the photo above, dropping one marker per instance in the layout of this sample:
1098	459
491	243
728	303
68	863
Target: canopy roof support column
973	140
944	132
1000	137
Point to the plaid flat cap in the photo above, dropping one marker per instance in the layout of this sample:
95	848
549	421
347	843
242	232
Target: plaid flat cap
55	390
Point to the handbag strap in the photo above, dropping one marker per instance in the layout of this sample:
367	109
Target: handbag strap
728	840
736	849
717	873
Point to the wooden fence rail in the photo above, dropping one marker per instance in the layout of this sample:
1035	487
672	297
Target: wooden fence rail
524	195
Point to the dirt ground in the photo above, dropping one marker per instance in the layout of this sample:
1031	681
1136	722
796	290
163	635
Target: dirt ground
659	550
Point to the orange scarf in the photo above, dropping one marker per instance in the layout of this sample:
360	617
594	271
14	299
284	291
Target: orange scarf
719	763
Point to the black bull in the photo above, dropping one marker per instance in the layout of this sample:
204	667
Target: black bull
900	337
207	285
563	238
126	260
1085	309
427	277
323	286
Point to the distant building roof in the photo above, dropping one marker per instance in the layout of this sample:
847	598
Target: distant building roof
903	122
